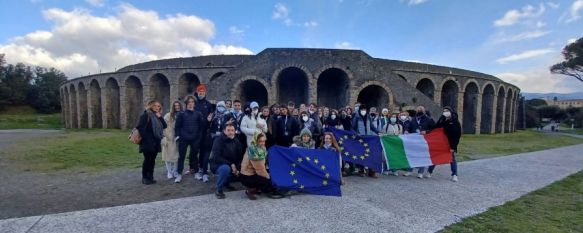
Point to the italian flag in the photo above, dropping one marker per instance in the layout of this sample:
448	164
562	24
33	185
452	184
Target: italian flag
415	150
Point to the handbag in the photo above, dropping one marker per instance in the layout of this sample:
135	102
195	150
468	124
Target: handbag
135	136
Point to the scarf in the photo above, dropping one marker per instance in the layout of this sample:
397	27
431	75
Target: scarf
156	125
255	152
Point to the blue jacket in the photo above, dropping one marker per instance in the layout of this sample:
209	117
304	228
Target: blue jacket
190	125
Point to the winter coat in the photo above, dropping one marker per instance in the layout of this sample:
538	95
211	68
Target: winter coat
249	127
203	106
169	145
226	151
362	125
393	129
313	126
406	126
190	125
286	124
422	123
346	123
150	143
452	129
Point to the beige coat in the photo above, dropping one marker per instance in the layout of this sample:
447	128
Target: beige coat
169	146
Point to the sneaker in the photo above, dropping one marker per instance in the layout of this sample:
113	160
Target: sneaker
198	175
407	174
395	173
187	172
250	194
428	175
220	194
420	176
178	179
205	178
454	178
169	175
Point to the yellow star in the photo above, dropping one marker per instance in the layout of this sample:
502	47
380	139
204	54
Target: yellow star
293	164
341	148
354	157
308	158
362	157
325	182
345	136
365	145
323	167
353	136
340	142
292	173
361	141
300	160
346	153
327	175
367	150
302	186
316	161
295	181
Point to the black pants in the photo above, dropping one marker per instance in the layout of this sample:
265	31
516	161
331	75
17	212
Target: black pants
148	165
192	157
257	182
206	146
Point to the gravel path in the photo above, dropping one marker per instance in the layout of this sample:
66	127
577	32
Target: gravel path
389	204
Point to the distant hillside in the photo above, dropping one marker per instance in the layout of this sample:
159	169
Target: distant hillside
560	96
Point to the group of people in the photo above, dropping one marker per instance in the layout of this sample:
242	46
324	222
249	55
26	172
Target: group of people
232	140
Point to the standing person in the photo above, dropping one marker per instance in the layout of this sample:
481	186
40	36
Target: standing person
334	120
349	112
361	124
453	131
309	123
330	143
393	128
375	120
345	120
205	108
226	159
326	115
291	106
422	124
405	121
252	123
235	118
216	122
303	107
169	146
265	115
286	128
189	131
228	106
151	127
384	118
254	174
296	114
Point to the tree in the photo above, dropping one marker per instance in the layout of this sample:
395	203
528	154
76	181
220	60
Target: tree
536	102
44	93
573	64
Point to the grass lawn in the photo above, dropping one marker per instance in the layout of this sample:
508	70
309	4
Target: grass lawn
555	208
485	146
573	131
24	117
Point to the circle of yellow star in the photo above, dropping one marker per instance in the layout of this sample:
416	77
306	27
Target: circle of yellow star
292	173
323	167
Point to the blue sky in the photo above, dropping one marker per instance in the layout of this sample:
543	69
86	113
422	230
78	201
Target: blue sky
514	40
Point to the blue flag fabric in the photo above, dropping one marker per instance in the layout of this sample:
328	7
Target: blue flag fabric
362	150
305	170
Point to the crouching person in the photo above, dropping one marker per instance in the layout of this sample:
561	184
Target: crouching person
225	156
253	172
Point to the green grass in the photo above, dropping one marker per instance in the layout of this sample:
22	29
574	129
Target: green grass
75	150
555	208
572	131
24	117
486	146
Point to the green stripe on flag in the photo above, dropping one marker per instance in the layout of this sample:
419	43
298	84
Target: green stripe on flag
394	152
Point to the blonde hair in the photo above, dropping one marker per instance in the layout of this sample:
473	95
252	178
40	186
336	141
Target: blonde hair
152	103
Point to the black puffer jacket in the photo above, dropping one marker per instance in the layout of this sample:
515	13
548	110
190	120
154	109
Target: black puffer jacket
190	125
226	151
149	143
451	128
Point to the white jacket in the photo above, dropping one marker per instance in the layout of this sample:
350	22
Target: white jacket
249	127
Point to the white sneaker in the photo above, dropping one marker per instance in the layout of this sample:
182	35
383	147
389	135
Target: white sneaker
428	175
198	175
420	176
396	173
169	175
178	179
205	178
407	174
454	178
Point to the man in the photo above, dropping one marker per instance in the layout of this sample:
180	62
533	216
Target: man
453	131
286	128
202	105
290	106
421	124
235	118
303	108
226	159
205	108
361	124
375	120
188	132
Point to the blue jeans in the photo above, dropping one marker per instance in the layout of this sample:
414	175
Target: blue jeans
224	172
452	166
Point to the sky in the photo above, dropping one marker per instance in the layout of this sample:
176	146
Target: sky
516	41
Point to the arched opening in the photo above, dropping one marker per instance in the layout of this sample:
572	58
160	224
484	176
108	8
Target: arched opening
66	109
187	85
253	90
216	75
83	117
470	108
112	106
426	87
374	96
292	85
95	100
500	110
160	90
508	112
449	93
487	109
74	120
134	101
333	87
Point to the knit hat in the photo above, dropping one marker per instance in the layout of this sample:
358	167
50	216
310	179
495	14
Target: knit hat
221	104
254	105
304	132
201	88
385	110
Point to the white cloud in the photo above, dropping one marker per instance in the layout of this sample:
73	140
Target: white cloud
572	40
345	45
416	2
503	38
540	80
553	5
524	55
79	43
281	12
311	24
96	3
236	31
574	11
514	16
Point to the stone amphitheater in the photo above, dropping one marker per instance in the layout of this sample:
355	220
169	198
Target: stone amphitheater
328	77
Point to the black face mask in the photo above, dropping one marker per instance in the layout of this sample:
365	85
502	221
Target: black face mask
419	114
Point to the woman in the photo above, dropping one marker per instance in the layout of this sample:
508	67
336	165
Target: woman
265	115
252	123
330	143
361	125
306	122
334	121
151	127
393	128
253	171
345	120
169	146
304	140
453	131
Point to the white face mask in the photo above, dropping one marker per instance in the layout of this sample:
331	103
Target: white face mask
305	118
362	113
447	114
333	117
393	119
403	118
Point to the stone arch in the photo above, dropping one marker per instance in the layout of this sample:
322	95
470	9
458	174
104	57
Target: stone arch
426	86
333	88
160	90
449	94
83	116
292	83
66	108
112	106
187	85
508	112
216	76
500	109
488	99
375	94
133	100
73	104
95	103
470	113
251	88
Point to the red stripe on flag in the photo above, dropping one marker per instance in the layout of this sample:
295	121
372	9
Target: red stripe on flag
438	147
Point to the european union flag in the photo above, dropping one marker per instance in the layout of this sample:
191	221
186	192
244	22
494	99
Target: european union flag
362	150
306	170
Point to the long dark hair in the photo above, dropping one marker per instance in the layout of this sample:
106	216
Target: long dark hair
173	111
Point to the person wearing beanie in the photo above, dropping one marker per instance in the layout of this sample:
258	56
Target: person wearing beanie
216	122
304	140
253	124
453	131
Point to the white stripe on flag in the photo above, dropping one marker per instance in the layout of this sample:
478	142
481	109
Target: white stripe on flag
416	150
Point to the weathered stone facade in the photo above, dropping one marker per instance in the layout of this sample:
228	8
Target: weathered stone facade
329	77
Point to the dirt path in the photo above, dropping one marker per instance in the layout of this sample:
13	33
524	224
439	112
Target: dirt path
27	193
